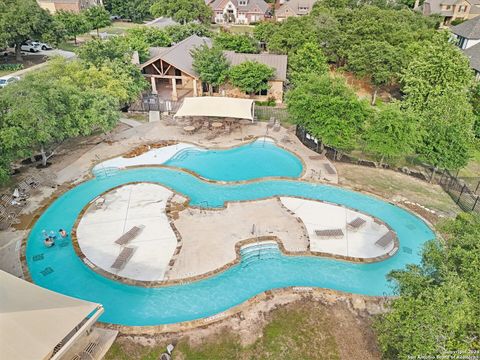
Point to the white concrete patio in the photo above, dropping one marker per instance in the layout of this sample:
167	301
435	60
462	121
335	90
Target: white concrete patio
125	207
322	216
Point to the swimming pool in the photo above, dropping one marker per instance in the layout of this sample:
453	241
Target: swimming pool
60	269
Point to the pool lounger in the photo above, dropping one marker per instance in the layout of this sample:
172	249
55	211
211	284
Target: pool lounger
386	239
122	259
129	235
330	170
357	223
330	233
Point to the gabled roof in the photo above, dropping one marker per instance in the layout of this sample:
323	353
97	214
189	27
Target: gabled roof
179	54
473	54
33	320
277	62
251	6
469	29
296	6
161	22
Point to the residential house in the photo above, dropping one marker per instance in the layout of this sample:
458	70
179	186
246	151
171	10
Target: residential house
468	39
287	8
171	74
239	11
451	10
68	5
161	23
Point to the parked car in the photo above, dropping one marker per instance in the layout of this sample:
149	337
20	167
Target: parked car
7	80
29	46
42	45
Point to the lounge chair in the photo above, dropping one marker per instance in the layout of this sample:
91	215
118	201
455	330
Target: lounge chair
357	223
129	235
329	233
386	239
330	170
122	259
276	127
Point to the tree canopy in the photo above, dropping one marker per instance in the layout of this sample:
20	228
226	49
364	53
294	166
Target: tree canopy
211	65
73	23
250	76
134	10
328	110
182	11
438	310
239	43
98	17
180	32
309	59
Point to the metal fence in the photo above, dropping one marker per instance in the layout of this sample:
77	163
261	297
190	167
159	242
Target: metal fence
464	191
151	102
267	112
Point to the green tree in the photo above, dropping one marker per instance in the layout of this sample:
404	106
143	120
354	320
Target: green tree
264	30
329	110
21	20
182	11
438	309
180	32
292	34
447	121
378	61
475	100
239	43
392	133
439	68
309	59
98	17
73	23
211	65
134	10
142	38
98	51
250	76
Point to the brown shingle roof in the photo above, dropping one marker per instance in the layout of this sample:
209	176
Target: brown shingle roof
473	53
469	29
277	62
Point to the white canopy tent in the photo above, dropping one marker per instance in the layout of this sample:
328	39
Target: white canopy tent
223	107
34	320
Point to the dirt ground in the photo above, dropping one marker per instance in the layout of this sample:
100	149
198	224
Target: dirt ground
307	328
432	201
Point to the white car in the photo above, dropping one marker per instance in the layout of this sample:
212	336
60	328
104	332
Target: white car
42	45
7	80
30	47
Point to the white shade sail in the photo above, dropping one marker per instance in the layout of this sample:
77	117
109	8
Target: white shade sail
33	320
211	106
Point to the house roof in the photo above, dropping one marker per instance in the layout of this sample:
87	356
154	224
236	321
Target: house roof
297	6
277	62
179	54
251	6
33	320
469	29
473	54
161	22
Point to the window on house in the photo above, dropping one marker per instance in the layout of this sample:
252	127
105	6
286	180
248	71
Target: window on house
242	2
262	92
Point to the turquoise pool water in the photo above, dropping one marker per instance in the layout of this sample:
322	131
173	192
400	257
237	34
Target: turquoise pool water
258	159
59	268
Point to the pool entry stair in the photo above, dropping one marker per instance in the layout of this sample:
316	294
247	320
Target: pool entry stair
260	251
102	173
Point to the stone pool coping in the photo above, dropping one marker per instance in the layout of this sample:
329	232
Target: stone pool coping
238	245
245	142
314	293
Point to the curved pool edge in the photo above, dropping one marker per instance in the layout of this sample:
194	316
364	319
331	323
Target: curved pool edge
296	292
255	181
242	143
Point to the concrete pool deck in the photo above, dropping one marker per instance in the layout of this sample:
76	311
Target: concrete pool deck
125	207
358	243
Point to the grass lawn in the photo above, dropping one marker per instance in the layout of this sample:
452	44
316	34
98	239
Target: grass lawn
390	185
236	29
117	27
5	72
67	46
301	330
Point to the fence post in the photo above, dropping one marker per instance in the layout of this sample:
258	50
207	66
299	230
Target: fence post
461	193
478	186
475	203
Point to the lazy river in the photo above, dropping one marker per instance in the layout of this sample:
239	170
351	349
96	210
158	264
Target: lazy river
60	269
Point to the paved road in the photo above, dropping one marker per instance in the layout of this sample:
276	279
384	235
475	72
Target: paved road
49	53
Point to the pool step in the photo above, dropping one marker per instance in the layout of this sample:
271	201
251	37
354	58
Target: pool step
259	252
